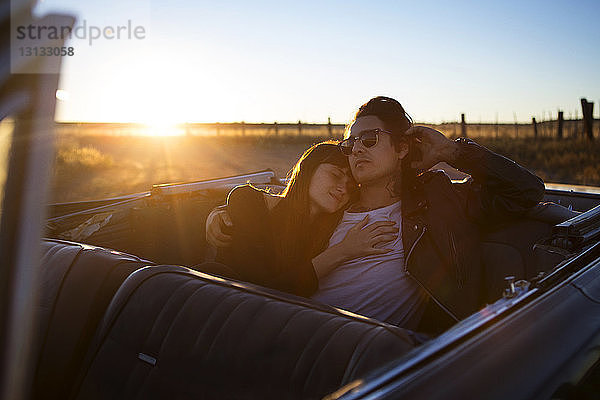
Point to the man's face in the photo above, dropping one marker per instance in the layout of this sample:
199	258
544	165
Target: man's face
376	163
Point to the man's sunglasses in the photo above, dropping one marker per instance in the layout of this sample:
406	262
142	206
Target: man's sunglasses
368	138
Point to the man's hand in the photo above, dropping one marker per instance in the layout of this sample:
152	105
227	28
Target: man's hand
434	146
218	223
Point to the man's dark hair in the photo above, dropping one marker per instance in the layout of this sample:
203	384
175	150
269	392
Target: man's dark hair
391	112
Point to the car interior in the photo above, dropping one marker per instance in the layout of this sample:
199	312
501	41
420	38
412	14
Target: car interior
117	325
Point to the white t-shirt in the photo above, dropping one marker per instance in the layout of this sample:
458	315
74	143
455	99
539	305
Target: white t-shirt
375	286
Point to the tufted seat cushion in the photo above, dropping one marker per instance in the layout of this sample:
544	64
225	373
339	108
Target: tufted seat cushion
77	283
175	333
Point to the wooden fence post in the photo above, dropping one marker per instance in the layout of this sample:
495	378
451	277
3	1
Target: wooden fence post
559	133
543	123
535	131
587	109
463	126
497	126
329	127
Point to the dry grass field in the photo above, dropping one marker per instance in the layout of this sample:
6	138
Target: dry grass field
98	166
94	167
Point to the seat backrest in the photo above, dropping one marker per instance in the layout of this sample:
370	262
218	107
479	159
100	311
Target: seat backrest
508	249
171	332
76	285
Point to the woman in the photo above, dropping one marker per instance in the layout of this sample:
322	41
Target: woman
281	241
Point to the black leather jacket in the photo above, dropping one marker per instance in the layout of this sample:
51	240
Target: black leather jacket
441	226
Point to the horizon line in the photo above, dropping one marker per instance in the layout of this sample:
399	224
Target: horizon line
295	123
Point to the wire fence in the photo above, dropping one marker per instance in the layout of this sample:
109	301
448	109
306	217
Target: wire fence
545	129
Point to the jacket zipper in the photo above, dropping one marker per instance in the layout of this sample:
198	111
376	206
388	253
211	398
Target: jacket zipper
443	307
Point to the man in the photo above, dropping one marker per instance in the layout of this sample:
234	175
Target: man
431	277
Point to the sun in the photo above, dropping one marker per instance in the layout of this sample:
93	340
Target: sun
162	128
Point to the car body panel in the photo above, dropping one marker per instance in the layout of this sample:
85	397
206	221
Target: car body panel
524	351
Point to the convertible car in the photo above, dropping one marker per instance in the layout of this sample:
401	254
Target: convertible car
537	337
112	299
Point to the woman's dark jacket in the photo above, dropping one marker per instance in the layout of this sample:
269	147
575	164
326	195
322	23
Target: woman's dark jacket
253	255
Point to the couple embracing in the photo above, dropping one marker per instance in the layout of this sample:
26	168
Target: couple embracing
366	226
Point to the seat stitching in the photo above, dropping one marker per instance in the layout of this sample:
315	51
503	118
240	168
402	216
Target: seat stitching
311	371
102	289
163	306
102	333
257	290
233	311
44	342
181	309
299	354
355	359
151	331
210	317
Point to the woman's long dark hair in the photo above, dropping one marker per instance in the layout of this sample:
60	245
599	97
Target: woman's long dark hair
295	235
396	120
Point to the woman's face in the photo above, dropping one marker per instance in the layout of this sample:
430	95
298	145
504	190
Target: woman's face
328	191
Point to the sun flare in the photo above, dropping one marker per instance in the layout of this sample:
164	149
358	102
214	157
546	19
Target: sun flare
162	128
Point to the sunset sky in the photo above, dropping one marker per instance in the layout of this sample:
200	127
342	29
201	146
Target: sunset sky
307	60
